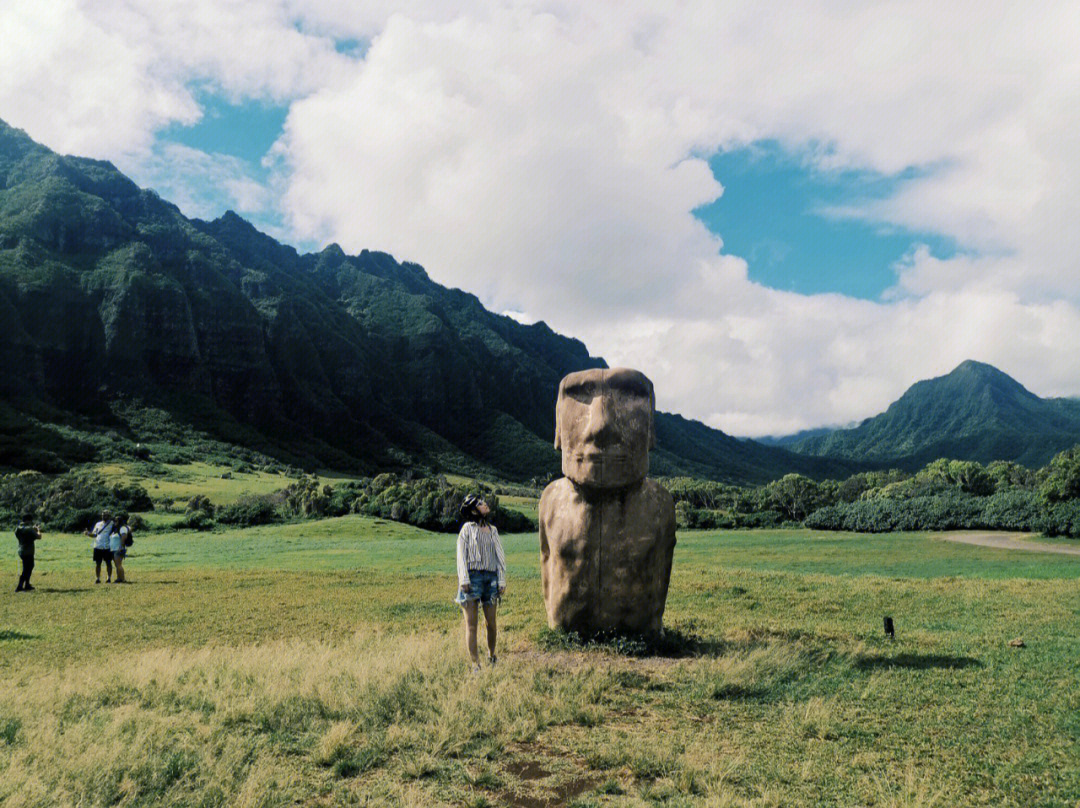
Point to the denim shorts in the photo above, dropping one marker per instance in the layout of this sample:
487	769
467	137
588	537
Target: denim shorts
483	586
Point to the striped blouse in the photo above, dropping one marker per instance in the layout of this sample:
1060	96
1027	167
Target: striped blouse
479	548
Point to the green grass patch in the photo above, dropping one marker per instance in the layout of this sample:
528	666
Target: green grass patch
179	483
321	662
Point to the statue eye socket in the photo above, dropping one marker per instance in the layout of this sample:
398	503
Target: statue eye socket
629	388
584	392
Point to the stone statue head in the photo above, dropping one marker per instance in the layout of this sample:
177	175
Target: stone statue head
604	426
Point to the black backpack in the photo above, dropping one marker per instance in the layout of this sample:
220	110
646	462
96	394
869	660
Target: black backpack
128	540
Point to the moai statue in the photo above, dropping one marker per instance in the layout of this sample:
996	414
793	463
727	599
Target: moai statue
607	532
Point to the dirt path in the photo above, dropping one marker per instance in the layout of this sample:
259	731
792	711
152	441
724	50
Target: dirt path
1004	541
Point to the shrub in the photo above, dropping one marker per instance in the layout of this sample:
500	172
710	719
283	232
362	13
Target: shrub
249	511
1062	519
200	503
195	520
1062	477
1013	509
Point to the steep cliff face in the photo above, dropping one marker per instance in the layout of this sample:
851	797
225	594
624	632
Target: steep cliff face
116	290
106	288
440	360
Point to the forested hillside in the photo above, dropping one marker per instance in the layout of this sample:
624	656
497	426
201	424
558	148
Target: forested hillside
976	412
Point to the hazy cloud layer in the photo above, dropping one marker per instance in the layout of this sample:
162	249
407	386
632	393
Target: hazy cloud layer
548	157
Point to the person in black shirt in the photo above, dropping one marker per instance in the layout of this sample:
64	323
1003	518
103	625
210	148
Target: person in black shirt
26	534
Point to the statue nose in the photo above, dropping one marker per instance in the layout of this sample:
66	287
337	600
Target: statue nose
601	428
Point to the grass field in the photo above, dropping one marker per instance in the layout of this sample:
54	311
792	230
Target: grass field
320	663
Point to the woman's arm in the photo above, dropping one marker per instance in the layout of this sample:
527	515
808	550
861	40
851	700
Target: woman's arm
500	559
462	569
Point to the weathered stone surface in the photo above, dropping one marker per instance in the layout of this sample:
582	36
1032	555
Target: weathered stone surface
607	533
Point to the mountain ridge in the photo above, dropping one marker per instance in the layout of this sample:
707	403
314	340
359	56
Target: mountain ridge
323	359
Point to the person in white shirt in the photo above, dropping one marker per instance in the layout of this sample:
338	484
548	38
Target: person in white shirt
118	546
481	569
101	533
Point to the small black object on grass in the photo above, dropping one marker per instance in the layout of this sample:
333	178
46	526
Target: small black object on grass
890	631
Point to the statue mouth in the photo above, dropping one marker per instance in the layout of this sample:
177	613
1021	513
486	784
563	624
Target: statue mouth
600	457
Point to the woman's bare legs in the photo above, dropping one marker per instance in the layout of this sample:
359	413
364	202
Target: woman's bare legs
470	611
118	562
490	611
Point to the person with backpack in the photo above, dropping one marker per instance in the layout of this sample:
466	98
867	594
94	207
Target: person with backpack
481	568
26	534
119	542
101	534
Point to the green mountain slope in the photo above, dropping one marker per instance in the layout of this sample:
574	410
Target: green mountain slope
976	412
108	292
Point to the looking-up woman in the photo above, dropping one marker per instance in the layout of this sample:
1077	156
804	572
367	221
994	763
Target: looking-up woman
481	569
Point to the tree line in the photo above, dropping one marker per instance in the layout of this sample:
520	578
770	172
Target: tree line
944	495
70	502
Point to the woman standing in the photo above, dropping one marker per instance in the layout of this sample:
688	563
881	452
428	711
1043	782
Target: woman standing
481	569
118	546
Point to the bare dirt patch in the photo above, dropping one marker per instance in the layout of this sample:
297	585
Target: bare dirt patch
527	770
1008	541
544	782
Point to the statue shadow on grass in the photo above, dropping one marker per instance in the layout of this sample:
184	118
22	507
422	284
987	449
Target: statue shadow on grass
7	634
674	642
870	662
670	643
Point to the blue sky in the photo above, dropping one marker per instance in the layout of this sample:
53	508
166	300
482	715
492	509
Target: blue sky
778	212
246	130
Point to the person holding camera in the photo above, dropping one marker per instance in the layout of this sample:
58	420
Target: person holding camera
26	534
481	568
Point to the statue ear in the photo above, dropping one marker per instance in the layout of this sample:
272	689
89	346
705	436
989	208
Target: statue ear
558	431
652	416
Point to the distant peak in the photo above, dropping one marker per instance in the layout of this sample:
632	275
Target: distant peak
971	366
231	218
333	249
969	376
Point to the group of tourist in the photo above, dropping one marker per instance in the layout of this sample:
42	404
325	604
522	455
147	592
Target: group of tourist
112	538
481	565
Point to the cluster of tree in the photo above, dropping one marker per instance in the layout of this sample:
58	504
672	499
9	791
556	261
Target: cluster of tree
944	495
431	503
67	502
